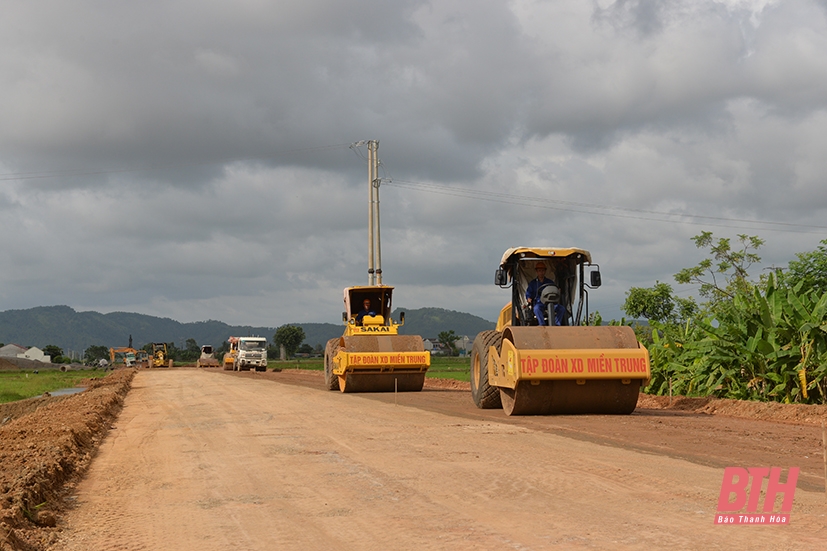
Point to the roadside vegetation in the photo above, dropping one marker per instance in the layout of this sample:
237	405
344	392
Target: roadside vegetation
748	338
17	385
450	367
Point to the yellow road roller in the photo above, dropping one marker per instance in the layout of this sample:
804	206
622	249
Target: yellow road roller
540	359
371	355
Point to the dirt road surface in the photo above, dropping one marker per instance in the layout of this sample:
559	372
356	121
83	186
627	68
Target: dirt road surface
208	460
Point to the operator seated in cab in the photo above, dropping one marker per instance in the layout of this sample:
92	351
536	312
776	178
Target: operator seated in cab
533	293
366	311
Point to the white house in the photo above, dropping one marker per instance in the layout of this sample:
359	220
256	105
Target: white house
17	351
11	351
36	354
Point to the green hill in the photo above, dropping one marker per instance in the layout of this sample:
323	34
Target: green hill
429	322
76	331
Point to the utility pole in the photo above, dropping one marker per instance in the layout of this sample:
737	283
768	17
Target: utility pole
374	238
377	249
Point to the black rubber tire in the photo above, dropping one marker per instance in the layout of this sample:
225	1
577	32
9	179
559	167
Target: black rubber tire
484	395
261	368
331	381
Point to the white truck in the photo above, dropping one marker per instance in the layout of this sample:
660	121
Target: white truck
246	352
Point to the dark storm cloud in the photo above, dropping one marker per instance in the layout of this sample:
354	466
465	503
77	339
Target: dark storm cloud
190	159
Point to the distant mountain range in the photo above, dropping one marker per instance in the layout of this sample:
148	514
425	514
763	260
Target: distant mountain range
76	331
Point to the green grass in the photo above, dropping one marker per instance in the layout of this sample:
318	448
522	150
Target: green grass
313	364
442	367
18	385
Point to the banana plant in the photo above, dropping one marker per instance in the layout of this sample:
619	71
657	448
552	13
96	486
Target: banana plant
766	344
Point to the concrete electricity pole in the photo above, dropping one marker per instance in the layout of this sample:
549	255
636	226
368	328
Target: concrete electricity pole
374	241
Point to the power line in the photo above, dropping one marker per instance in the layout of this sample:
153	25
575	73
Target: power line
614	211
481	195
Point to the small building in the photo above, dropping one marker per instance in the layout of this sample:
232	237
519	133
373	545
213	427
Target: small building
17	351
36	354
435	347
12	351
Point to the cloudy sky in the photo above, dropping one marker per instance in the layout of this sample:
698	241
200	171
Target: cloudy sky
190	159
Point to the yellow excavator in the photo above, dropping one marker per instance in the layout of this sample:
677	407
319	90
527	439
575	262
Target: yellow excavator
540	359
371	355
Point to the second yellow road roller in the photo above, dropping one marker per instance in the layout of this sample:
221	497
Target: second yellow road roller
371	355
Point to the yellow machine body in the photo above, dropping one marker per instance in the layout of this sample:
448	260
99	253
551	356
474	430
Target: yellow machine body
530	360
371	355
532	369
159	355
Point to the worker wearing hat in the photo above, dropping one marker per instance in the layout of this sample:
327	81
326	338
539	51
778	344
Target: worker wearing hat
533	298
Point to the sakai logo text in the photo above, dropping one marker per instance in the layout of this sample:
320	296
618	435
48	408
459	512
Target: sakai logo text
745	485
378	329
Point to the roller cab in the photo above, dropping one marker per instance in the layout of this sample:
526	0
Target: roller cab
554	366
371	355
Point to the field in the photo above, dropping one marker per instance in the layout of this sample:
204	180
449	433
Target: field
22	384
18	385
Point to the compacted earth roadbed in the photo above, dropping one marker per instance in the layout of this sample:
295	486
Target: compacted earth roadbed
209	460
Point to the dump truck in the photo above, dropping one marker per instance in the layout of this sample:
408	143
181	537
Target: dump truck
554	365
246	353
207	357
371	355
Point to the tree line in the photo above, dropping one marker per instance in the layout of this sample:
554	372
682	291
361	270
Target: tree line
288	336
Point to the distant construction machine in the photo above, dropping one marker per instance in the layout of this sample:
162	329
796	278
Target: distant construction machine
371	355
207	358
160	357
531	369
128	357
246	353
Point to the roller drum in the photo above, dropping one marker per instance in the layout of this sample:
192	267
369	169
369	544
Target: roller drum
594	396
610	397
563	338
383	343
381	382
378	380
